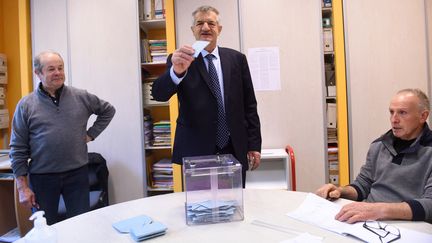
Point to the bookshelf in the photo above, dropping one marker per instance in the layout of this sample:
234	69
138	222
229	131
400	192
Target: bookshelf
157	39
330	100
336	94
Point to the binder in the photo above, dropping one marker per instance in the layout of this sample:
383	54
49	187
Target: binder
3	60
331	115
3	75
331	91
326	23
328	40
148	6
159	9
4	118
141	10
334	179
327	3
330	83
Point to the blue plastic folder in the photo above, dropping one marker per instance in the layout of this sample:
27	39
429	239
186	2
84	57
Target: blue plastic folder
140	227
144	232
126	225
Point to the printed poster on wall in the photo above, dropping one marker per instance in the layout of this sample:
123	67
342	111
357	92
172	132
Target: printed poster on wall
265	68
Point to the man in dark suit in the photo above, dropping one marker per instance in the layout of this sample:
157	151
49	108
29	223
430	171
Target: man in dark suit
218	109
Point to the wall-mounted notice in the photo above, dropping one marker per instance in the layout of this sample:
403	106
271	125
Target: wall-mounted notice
265	68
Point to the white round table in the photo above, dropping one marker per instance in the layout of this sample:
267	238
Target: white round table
268	206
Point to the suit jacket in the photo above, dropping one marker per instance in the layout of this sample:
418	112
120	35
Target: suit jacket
196	124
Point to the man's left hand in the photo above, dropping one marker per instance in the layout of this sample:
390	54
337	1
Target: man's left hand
254	159
360	211
88	139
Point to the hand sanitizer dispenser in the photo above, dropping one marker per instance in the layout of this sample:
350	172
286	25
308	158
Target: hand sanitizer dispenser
41	232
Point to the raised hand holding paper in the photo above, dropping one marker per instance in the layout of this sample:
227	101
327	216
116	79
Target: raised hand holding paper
198	46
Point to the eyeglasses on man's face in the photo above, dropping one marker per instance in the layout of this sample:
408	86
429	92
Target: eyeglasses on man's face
386	233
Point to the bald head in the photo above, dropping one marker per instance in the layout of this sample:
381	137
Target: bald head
40	59
423	100
49	68
409	110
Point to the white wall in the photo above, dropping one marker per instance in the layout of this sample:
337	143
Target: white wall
53	33
100	44
293	115
386	52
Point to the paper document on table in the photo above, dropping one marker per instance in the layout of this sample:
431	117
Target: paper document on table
318	211
198	46
321	212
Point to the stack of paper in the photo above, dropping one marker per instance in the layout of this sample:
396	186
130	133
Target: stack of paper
332	135
158	50
145	51
148	130
210	211
162	133
333	164
163	174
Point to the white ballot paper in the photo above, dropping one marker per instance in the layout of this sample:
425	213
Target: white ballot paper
198	46
321	212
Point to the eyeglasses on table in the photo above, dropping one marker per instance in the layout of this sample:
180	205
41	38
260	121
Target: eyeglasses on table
386	233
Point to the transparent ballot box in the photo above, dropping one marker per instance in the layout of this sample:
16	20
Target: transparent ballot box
213	188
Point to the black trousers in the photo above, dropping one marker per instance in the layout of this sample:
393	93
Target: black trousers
229	149
72	185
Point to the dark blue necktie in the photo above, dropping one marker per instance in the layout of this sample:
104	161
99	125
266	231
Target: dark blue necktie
222	134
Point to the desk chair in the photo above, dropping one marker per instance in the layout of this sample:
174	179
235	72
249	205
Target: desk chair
98	182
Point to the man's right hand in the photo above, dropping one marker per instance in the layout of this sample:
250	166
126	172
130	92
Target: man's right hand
26	196
182	59
329	191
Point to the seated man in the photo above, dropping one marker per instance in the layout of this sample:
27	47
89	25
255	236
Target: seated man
396	181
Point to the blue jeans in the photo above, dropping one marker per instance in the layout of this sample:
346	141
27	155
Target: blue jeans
73	185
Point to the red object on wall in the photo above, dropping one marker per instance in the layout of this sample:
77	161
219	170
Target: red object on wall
290	152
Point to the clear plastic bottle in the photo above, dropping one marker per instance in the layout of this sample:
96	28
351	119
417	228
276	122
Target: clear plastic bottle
41	232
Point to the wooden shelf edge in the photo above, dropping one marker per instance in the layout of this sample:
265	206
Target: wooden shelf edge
157	147
153	189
